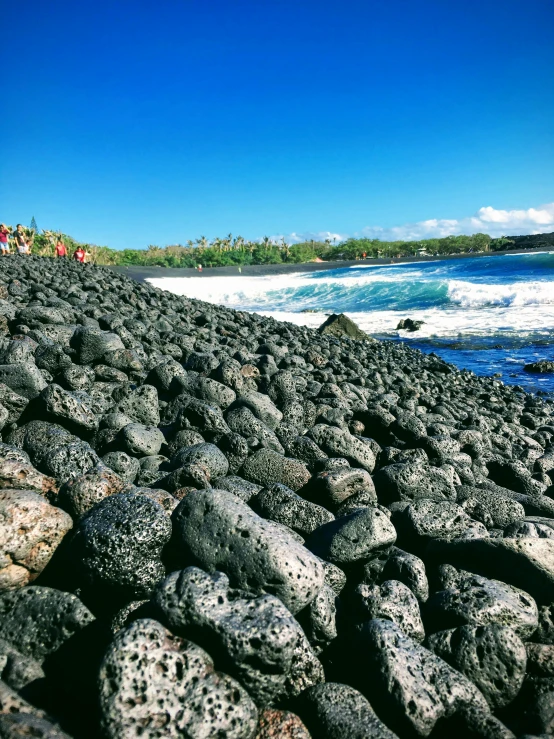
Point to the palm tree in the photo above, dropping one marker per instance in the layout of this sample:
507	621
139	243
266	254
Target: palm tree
203	243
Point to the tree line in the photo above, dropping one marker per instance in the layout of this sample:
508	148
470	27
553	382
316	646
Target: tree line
236	250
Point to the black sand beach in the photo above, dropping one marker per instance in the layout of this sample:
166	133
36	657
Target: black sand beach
262	270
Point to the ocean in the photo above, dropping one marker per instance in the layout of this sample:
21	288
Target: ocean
491	315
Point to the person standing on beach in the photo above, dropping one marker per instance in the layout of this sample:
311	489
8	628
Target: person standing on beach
22	241
79	255
4	240
60	251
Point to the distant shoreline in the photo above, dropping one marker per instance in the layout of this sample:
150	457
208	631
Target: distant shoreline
140	274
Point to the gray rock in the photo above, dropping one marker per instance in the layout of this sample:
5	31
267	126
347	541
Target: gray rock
152	681
16	725
524	563
341	326
79	495
410	481
14	403
261	406
207	456
356	538
76	377
243	489
333	488
279	503
242	421
141	405
37	620
413	688
123	465
425	520
213	392
477	601
168	377
25	379
235	449
142	441
266	467
410	570
216	531
67	461
319	619
91	344
255	638
335	578
66	408
393	601
335	711
493	657
340	443
16	669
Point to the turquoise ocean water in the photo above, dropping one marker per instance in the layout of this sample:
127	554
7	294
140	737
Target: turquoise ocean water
488	314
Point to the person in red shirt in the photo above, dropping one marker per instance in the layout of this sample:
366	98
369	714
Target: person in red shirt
61	251
79	255
4	240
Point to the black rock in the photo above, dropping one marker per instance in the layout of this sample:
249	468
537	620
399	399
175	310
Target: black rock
255	639
214	530
408	324
335	711
493	657
341	326
543	366
118	543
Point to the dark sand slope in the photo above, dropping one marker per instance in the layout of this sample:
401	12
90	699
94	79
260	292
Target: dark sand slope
262	270
213	524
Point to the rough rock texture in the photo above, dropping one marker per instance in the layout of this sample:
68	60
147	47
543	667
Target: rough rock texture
492	657
334	711
37	621
154	684
359	535
274	724
216	531
256	638
30	531
340	325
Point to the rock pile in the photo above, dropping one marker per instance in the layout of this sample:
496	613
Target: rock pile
213	524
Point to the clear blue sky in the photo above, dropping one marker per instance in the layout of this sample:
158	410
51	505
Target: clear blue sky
128	123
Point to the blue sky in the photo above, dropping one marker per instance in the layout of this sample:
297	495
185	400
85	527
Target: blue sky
132	123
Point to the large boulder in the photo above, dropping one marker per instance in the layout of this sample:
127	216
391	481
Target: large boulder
256	638
341	326
151	679
215	530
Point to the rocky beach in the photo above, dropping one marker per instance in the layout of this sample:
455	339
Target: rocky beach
214	524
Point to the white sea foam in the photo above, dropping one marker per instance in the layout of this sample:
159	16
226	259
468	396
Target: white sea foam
440	323
472	308
473	295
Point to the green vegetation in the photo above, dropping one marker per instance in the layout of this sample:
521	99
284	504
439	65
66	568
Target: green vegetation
235	250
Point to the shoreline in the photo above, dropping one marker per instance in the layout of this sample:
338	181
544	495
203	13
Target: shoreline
140	274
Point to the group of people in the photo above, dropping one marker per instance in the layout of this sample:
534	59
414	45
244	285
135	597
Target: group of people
23	243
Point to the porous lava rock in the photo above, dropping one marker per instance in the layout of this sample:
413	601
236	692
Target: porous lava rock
214	524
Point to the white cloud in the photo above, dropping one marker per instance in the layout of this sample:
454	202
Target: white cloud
489	220
296	238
